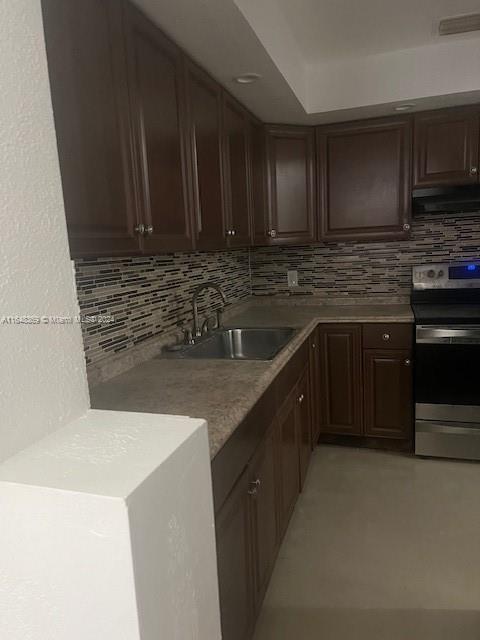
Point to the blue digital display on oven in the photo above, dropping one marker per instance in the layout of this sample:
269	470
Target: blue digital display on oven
464	271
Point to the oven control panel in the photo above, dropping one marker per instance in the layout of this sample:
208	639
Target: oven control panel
464	275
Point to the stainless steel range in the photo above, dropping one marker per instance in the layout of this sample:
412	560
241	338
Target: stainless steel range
446	303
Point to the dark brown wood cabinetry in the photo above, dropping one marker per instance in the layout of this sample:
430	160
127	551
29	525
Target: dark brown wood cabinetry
388	393
340	378
289	459
446	147
252	517
156	156
263	492
234	559
291	181
304	424
260	221
88	80
159	126
314	364
364	179
237	173
365	380
204	98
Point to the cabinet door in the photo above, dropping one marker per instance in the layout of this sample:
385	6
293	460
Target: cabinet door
158	110
388	393
234	558
86	61
205	109
364	180
340	379
446	147
237	183
260	221
314	387
263	492
288	443
304	424
291	181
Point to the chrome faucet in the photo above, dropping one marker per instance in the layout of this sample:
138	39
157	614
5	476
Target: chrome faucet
197	331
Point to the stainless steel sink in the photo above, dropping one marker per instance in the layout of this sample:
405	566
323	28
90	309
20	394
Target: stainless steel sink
239	344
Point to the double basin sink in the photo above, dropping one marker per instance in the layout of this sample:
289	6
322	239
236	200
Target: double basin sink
237	344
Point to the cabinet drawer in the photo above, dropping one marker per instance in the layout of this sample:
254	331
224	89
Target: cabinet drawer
387	336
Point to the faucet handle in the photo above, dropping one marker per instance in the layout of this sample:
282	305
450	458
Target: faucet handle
188	336
206	324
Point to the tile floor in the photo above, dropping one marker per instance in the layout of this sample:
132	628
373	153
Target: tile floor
380	547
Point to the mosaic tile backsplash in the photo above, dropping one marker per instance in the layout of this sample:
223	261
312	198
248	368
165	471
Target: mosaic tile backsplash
356	269
150	296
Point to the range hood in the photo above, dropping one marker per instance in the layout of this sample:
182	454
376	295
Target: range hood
461	199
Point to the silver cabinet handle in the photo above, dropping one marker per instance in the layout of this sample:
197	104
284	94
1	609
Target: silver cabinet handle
272	233
473	171
314	346
140	229
407	362
254	487
148	229
386	337
301	398
406	227
230	232
233	232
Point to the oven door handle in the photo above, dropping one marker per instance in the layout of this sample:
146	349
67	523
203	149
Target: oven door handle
426	334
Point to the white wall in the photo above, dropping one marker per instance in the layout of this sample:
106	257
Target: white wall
434	70
42	372
108	532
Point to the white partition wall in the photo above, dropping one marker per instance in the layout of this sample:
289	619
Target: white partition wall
108	533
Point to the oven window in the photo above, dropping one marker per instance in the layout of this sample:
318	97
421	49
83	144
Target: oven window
447	374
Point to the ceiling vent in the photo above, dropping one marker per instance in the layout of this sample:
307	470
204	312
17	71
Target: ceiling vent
459	24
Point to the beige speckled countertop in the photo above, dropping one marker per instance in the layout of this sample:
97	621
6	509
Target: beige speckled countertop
223	392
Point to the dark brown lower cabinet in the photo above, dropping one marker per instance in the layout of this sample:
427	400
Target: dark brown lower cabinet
288	459
340	378
314	388
388	393
263	492
304	425
234	559
365	388
253	518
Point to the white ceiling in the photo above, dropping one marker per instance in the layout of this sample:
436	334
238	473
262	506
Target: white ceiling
328	60
329	29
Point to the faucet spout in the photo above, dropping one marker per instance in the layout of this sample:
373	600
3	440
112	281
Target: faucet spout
203	287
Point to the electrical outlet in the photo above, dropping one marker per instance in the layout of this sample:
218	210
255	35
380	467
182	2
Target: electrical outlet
292	278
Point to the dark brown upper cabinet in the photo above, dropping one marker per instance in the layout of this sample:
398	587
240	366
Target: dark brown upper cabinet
87	68
260	223
364	180
237	173
291	181
446	147
156	79
340	378
204	97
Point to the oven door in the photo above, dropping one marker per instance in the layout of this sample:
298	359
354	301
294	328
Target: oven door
447	381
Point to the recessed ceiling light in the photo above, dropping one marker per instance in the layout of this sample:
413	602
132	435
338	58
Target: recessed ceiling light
404	107
247	78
